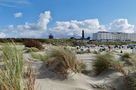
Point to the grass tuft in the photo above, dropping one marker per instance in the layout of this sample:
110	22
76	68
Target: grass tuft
81	66
42	57
130	82
32	49
30	78
106	61
126	55
12	76
62	61
129	59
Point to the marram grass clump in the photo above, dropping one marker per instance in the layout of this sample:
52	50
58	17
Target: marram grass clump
62	61
104	62
12	76
129	59
41	57
32	49
130	82
126	55
30	78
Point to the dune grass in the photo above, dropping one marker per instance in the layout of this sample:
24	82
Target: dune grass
32	49
30	78
129	59
62	61
11	77
126	55
130	82
129	79
81	66
106	61
42	57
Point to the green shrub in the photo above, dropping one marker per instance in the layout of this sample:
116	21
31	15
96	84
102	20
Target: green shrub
33	43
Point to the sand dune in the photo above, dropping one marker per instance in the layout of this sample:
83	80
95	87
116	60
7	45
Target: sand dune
47	80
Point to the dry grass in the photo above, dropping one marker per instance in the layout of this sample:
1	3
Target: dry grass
42	57
32	49
126	55
62	61
12	76
130	82
81	66
129	59
104	62
129	79
30	78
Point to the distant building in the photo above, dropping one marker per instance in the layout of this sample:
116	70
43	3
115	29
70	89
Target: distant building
83	34
72	38
88	38
113	36
51	36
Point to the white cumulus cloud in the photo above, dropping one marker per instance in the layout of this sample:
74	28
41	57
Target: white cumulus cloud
30	30
64	29
44	20
74	27
121	25
18	14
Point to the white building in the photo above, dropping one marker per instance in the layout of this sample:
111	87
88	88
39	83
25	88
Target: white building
114	36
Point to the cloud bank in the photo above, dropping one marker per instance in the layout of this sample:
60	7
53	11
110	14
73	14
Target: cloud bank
74	27
64	29
29	30
121	25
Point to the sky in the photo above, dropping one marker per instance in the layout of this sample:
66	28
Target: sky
65	18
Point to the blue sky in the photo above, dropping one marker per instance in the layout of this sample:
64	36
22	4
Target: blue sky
65	18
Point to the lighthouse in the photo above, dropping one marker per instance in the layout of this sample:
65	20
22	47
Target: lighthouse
83	34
